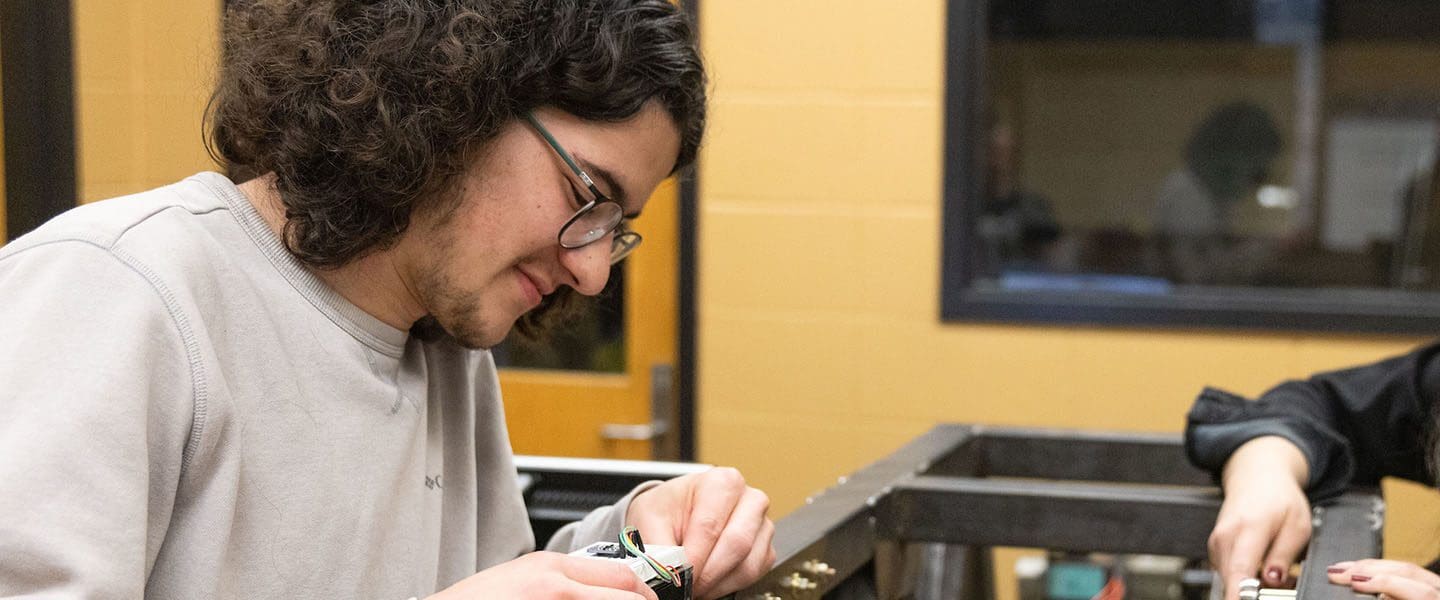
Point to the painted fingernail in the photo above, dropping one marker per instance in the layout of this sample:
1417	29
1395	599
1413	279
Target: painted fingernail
1274	573
1360	578
1335	569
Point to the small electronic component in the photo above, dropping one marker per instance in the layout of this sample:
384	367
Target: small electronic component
1250	590
663	568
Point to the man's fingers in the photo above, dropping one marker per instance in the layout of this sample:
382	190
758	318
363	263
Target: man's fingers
713	497
606	574
756	564
719	521
738	540
656	527
739	537
600	593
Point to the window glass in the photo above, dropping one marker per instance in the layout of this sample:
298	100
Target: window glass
1172	147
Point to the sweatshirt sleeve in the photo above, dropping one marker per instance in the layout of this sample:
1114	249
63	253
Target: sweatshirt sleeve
1354	426
97	404
602	524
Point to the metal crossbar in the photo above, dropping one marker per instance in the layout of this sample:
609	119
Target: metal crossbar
917	523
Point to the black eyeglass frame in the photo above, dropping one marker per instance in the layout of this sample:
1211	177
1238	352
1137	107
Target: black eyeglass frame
624	241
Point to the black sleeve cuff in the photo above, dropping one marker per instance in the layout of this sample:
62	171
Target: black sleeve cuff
1220	422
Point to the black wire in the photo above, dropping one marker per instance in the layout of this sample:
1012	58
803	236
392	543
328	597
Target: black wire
634	535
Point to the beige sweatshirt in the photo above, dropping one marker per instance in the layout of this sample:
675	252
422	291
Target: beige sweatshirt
186	412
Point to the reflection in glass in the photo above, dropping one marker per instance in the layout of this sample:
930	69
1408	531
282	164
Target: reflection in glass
1163	146
1017	227
1201	203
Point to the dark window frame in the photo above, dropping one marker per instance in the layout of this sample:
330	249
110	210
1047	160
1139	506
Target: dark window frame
1312	309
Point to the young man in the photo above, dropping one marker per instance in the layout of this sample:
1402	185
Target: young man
280	388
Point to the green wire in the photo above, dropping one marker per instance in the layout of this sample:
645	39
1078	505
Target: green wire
661	570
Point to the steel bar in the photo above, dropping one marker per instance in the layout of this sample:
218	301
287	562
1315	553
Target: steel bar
946	497
837	527
1080	517
1073	455
1348	528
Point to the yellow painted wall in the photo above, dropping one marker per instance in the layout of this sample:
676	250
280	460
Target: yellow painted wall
821	348
143	72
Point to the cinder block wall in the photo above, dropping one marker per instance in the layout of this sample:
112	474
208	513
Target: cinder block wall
821	348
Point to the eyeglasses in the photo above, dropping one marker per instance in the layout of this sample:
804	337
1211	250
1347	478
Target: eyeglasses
599	217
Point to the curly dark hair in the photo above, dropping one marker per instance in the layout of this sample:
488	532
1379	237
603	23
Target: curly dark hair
368	111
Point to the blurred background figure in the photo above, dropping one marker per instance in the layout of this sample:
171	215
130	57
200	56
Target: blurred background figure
1227	158
1018	226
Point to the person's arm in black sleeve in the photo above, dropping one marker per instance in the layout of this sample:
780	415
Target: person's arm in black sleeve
1301	443
1354	425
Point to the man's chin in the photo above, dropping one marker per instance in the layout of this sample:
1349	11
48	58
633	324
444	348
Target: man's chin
430	329
477	343
485	338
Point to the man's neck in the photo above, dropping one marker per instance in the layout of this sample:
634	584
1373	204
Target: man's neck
374	282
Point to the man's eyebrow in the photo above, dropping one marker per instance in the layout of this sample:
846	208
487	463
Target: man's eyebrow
617	193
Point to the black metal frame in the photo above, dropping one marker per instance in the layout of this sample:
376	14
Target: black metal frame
1380	311
957	490
688	230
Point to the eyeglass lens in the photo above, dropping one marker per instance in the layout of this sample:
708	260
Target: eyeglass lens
594	224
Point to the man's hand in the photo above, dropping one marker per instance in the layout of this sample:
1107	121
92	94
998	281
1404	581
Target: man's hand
1264	522
551	576
1386	578
719	520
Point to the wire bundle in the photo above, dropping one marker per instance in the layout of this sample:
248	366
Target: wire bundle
630	541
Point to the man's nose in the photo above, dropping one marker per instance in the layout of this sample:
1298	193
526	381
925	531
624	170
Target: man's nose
590	265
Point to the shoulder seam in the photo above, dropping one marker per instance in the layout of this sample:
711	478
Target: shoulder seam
198	388
138	222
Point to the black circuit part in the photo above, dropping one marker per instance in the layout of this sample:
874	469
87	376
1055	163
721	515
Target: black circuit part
635	539
608	550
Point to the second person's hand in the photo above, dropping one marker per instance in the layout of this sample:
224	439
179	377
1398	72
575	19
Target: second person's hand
1264	522
1391	579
